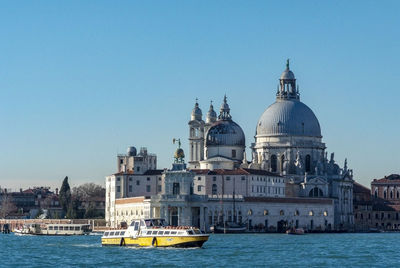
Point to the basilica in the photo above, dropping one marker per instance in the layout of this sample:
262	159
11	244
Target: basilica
287	181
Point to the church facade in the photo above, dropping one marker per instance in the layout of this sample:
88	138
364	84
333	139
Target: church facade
288	181
288	142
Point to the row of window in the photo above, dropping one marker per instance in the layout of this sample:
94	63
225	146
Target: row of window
130	188
266	213
267	189
378	216
274	163
138	181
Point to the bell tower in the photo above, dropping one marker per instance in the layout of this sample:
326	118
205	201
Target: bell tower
196	137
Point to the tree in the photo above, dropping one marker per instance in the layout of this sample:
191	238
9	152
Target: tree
7	205
87	195
72	212
65	195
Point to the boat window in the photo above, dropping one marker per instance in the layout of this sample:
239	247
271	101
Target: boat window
160	232
72	228
137	226
197	231
77	228
122	233
166	233
154	232
144	232
112	233
180	233
148	223
50	227
55	228
61	228
173	232
106	234
116	233
190	232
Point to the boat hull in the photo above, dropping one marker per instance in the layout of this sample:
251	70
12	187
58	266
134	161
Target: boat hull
156	241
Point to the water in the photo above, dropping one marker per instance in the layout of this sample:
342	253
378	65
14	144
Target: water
272	250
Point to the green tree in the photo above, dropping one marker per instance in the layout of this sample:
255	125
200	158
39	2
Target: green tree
65	195
72	212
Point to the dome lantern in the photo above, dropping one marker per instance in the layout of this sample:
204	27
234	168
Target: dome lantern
287	85
224	113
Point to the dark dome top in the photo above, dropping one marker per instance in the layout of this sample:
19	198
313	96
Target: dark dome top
225	133
288	117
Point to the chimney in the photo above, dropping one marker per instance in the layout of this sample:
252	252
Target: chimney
56	191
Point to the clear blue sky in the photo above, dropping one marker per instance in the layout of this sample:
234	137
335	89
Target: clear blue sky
82	80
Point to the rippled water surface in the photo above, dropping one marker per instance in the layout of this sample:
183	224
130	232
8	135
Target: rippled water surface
274	250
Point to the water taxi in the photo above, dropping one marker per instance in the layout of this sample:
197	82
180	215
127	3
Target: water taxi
54	229
295	231
154	233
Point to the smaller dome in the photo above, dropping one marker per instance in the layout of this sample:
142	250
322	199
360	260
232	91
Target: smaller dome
196	112
211	115
225	133
287	75
131	151
179	153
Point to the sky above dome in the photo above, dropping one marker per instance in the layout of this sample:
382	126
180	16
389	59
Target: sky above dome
80	81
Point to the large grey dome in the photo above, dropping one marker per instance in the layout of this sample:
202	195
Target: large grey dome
288	117
225	133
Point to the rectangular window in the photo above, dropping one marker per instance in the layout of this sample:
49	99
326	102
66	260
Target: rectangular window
55	228
175	188
173	232
148	178
130	178
228	178
166	233
159	188
118	189
148	188
243	178
130	188
199	188
199	178
77	228
233	153
214	178
118	178
50	228
137	169
122	233
137	182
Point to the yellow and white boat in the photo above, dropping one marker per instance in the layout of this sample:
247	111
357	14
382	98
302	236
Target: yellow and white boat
154	232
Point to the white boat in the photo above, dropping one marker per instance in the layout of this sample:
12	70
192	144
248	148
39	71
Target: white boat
295	231
54	229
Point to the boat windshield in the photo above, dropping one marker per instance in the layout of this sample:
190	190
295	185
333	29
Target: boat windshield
155	222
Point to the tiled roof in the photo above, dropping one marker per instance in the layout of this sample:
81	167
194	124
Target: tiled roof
393	178
358	188
148	172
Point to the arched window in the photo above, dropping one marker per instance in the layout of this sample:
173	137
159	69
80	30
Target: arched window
308	163
296	213
391	194
282	212
397	195
265	212
282	161
315	192
376	193
273	163
384	194
311	213
214	189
